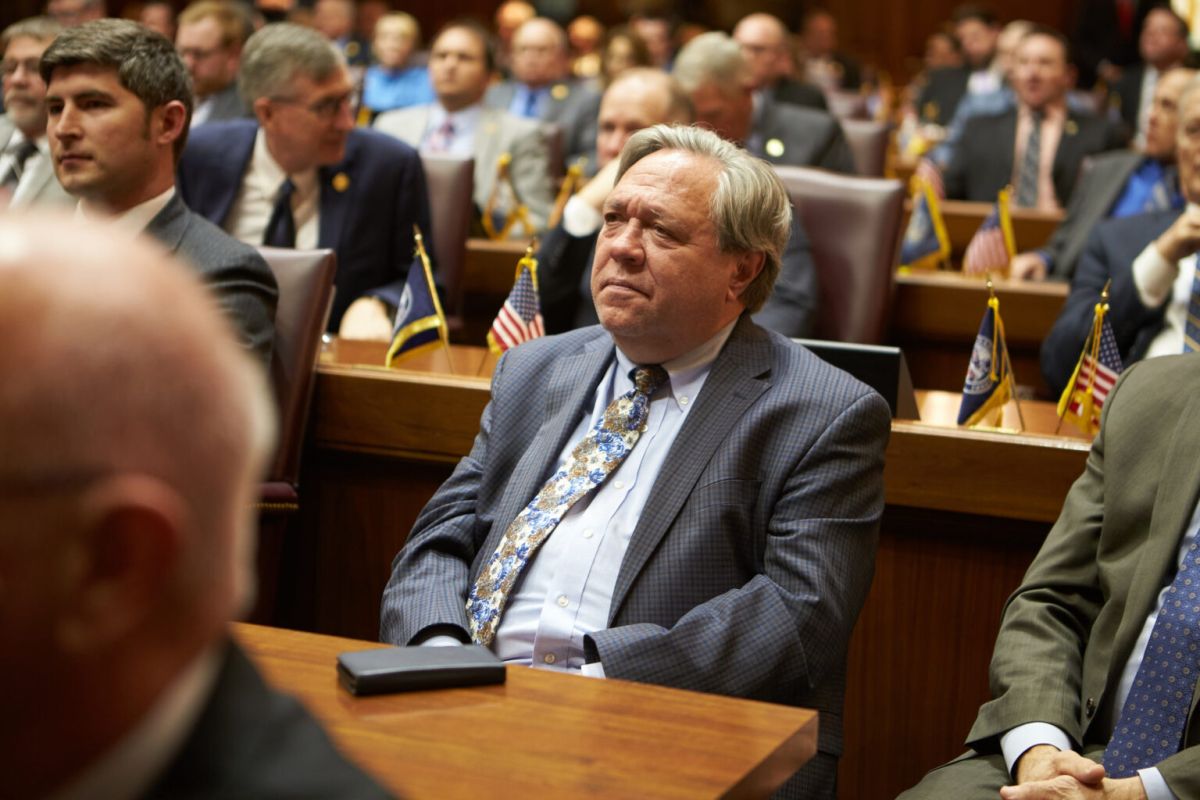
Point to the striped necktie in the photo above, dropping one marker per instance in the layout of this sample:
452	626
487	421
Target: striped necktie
19	157
1027	181
1191	325
1150	727
592	460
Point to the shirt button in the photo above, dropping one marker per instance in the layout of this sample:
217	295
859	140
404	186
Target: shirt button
549	658
563	601
683	401
587	533
618	484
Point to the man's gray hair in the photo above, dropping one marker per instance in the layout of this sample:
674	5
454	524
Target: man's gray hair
41	28
711	57
145	62
678	103
276	54
750	208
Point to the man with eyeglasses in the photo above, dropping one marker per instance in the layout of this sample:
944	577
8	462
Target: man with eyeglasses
26	173
301	175
210	38
118	101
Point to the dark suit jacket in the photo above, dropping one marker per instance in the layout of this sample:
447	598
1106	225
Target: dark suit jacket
754	551
1099	188
1109	254
1129	94
252	742
573	106
801	137
242	281
369	203
227	104
1069	629
565	285
797	93
941	94
982	163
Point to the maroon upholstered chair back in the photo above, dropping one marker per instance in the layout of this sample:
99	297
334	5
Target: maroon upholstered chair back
305	279
451	182
853	225
868	142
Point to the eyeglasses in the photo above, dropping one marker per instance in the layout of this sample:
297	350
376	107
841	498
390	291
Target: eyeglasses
325	110
9	66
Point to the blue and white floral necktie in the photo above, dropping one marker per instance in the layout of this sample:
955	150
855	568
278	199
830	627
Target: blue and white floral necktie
591	461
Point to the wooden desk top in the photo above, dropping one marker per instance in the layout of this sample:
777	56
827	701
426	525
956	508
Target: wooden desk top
541	732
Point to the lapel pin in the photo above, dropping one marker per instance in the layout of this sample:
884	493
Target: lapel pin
341	182
1071	128
560	91
774	148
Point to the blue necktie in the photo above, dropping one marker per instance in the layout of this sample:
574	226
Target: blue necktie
281	227
1150	727
592	460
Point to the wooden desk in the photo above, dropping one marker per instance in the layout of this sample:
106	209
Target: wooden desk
541	732
936	316
966	511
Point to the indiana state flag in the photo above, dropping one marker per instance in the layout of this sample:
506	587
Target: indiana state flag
420	323
989	383
925	243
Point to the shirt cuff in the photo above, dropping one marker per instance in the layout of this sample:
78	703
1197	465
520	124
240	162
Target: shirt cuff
596	670
1154	276
579	219
1155	786
1014	743
440	641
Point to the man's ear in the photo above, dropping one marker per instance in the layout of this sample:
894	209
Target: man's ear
262	111
121	562
172	122
748	267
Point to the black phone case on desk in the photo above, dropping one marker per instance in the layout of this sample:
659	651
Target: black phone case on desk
404	669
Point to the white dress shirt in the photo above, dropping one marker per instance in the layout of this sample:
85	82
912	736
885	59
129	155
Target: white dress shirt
130	222
260	185
1021	738
1156	279
31	165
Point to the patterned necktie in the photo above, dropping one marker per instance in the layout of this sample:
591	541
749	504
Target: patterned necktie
1150	727
591	461
442	138
531	104
1027	182
281	227
1191	325
20	156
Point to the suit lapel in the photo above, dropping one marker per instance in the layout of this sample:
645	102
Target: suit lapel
169	225
231	171
487	147
569	392
738	378
336	192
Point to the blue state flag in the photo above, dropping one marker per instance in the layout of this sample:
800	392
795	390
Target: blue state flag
988	385
419	320
925	243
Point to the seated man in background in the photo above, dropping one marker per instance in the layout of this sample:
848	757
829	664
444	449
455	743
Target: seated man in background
461	66
1036	147
978	33
1094	674
119	100
1150	259
133	436
1117	184
637	99
301	175
210	40
714	73
542	88
26	169
719	487
393	81
1162	47
766	45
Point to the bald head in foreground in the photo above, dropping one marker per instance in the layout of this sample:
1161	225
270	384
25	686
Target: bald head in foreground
129	468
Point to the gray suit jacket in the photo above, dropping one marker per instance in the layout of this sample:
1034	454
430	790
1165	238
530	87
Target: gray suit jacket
754	553
1098	190
499	132
801	137
38	185
573	106
242	281
1071	626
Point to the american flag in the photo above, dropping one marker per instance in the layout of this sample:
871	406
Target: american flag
1100	374
520	318
928	171
988	249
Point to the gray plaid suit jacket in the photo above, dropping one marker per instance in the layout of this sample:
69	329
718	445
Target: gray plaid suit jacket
756	547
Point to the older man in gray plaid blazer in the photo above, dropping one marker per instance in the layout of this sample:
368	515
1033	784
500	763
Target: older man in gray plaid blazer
732	549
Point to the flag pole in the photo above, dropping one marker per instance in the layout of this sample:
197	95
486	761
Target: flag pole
443	334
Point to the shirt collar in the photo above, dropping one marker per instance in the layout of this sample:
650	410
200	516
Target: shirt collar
1053	112
687	372
465	119
265	165
135	220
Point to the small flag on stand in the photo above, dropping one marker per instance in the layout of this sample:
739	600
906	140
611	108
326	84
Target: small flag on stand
925	244
520	318
992	247
928	171
1098	368
420	323
989	384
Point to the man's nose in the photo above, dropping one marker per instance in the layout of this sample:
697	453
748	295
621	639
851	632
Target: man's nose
627	247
